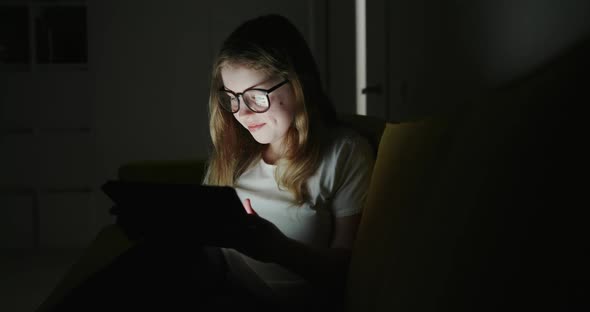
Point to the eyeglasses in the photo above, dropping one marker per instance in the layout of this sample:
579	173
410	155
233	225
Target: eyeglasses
255	99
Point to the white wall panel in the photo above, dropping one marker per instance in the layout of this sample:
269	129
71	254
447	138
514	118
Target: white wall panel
16	220
19	154
66	158
64	219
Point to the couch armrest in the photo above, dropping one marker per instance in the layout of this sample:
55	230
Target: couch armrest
109	243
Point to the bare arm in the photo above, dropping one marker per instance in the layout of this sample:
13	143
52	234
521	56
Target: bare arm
325	268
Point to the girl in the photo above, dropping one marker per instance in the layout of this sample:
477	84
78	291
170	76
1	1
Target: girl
301	176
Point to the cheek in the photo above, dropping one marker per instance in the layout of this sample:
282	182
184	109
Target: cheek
283	115
285	108
239	120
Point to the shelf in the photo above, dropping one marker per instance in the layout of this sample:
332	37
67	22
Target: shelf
51	130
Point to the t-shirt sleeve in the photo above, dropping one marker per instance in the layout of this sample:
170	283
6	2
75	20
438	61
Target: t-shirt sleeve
352	173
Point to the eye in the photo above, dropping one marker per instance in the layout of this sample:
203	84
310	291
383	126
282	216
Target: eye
261	100
256	97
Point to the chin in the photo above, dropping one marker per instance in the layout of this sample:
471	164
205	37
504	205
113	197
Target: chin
261	139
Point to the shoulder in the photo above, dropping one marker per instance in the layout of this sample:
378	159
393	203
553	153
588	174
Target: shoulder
345	171
344	153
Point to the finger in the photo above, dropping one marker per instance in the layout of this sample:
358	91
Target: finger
253	211
248	207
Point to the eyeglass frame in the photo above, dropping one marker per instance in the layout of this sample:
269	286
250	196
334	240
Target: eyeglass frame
241	94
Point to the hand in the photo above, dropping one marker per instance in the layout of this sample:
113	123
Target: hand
261	239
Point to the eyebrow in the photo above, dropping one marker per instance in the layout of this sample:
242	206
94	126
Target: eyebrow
249	88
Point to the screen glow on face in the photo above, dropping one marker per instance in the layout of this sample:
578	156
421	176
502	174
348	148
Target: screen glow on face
256	99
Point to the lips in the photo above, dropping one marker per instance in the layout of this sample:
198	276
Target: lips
255	127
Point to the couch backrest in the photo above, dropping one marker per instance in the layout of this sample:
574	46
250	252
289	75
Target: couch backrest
167	171
482	211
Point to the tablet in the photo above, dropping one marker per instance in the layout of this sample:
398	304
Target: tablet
191	200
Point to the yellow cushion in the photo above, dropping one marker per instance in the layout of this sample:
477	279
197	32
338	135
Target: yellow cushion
407	157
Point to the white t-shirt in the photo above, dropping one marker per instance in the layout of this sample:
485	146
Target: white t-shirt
337	189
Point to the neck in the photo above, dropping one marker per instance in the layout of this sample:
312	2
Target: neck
273	153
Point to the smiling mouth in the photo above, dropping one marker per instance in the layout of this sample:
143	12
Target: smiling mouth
255	127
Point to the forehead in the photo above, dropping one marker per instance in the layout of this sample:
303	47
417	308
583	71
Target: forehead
238	77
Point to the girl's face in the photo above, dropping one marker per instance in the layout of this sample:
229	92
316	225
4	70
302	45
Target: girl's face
271	126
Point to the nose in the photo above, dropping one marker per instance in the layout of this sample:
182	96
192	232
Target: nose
244	110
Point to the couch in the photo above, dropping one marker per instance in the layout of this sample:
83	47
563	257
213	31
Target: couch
111	240
472	210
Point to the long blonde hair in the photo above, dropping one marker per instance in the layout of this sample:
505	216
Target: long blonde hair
273	45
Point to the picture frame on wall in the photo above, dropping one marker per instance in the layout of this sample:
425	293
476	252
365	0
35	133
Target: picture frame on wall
15	44
43	36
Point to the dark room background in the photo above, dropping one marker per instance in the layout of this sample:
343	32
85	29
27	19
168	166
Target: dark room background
88	85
